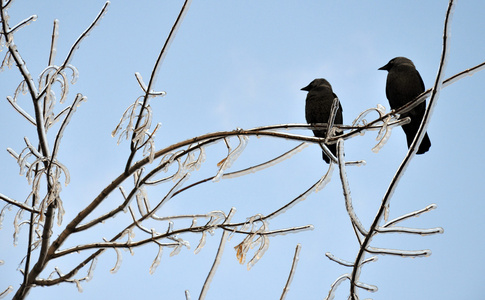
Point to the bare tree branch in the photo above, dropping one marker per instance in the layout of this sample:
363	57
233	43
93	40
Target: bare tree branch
148	91
75	46
407	159
217	259
292	271
18	204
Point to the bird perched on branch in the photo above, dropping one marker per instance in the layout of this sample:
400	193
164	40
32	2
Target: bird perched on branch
318	109
403	85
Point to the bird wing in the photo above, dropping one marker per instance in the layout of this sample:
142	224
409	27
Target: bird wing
421	81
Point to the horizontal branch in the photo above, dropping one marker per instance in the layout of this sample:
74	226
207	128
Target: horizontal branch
397	252
18	204
283	231
107	245
339	260
410	230
227	227
23	23
410	215
21	111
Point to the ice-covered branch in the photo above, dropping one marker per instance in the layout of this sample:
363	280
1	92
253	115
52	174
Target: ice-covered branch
333	113
252	169
335	284
148	177
18	204
55	35
72	109
251	239
210	138
39	120
77	282
419	231
365	246
127	198
168	196
23	23
6	4
462	74
297	199
231	156
399	252
153	77
69	275
339	260
6	292
15	53
266	164
346	190
218	257
20	110
282	231
75	46
115	245
365	286
165	47
389	228
348	263
144	87
296	257
410	215
315	187
136	223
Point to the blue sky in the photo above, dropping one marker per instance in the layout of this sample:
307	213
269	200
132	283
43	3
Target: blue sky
242	64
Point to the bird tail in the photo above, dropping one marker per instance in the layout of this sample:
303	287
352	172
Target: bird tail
333	149
425	143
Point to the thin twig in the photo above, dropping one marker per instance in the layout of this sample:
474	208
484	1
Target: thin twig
217	259
23	23
18	204
410	215
296	257
153	77
75	46
21	111
346	191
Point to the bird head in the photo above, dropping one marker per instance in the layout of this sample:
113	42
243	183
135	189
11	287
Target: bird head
316	83
396	61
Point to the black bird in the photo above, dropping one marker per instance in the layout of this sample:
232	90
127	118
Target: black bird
318	108
403	85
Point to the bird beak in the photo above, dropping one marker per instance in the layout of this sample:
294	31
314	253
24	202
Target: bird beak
386	67
307	88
